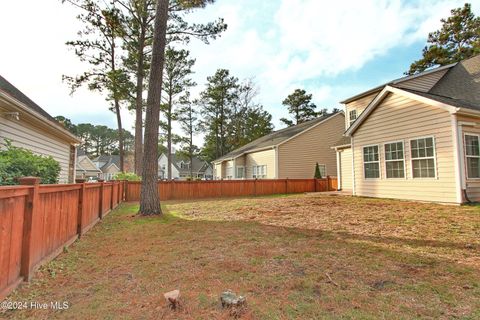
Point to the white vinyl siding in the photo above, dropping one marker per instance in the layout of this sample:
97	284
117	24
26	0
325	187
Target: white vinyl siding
394	160
41	142
371	162
398	118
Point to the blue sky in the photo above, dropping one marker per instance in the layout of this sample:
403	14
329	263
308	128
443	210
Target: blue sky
333	49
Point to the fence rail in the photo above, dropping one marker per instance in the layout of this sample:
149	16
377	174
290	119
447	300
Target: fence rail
185	190
38	221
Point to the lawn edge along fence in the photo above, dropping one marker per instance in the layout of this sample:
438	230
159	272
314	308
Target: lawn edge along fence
38	221
189	190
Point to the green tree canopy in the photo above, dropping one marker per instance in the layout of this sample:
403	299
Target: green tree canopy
300	107
458	39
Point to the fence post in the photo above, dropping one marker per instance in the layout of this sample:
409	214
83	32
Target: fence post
30	211
100	198
315	182
286	186
125	190
81	206
255	187
221	188
111	197
328	183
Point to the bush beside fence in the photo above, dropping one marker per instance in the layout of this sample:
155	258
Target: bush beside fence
38	221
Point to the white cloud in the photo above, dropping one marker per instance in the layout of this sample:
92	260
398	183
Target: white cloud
285	44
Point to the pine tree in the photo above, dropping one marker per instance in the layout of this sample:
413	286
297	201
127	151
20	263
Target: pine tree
458	39
300	107
217	102
176	80
318	174
149	199
99	46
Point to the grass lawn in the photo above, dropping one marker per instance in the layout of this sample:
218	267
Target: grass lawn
293	257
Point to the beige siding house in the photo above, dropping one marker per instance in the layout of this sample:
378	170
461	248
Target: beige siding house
288	153
416	138
27	125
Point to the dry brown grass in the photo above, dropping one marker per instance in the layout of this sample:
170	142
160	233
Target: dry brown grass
294	257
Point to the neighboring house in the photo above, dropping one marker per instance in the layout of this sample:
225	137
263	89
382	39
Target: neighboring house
415	138
288	153
109	165
28	126
86	169
181	168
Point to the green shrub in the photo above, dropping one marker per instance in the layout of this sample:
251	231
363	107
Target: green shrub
318	174
18	162
127	176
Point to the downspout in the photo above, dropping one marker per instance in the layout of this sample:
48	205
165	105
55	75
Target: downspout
459	159
339	171
353	166
275	148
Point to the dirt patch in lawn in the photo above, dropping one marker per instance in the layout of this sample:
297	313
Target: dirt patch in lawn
260	248
447	232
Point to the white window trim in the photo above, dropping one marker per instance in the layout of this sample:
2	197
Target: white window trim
350	122
379	162
404	160
255	167
465	134
434	158
321	164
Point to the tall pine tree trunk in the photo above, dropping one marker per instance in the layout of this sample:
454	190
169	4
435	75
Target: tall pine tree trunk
139	106
120	134
149	198
169	136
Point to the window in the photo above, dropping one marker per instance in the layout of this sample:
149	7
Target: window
352	116
259	172
240	172
371	163
472	153
323	170
423	158
394	160
229	172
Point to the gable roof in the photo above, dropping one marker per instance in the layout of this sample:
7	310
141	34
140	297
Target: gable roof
275	138
458	89
197	166
11	91
109	160
397	82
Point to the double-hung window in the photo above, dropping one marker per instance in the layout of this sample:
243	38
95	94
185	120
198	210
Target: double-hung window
229	173
423	157
240	172
394	160
472	153
259	172
371	162
352	116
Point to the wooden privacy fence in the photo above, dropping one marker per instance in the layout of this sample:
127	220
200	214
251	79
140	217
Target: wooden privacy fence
38	221
185	190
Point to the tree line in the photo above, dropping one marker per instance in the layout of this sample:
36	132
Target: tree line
98	139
